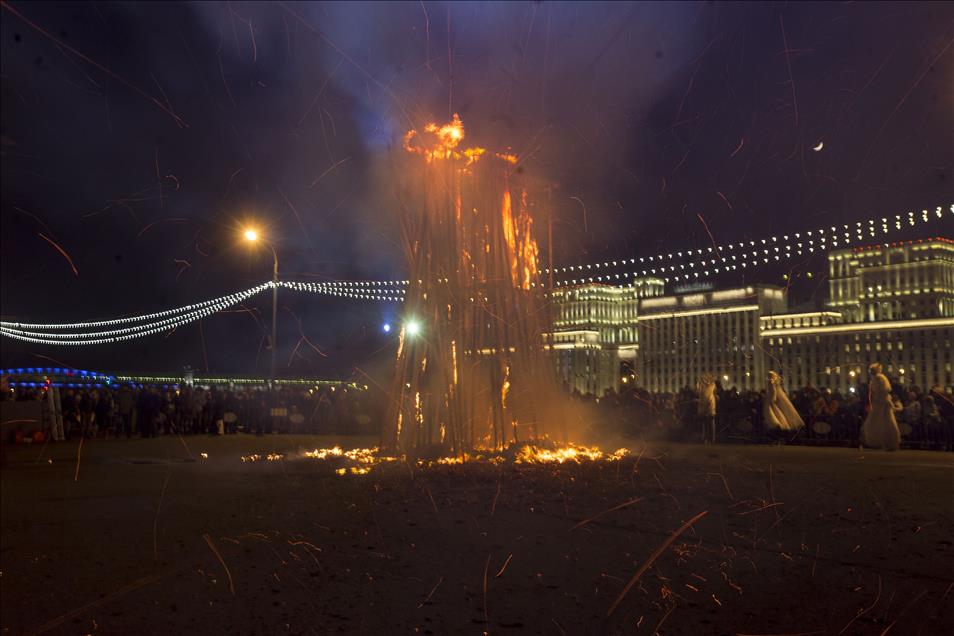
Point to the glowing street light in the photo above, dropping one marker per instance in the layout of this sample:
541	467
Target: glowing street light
412	327
386	328
251	235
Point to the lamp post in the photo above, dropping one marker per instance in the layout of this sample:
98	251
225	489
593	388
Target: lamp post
252	236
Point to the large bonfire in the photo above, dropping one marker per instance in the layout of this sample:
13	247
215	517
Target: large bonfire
473	372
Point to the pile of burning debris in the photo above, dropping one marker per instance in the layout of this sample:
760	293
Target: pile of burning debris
360	461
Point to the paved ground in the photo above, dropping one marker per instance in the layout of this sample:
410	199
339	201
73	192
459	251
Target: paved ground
793	540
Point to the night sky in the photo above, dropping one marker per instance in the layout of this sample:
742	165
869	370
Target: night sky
140	138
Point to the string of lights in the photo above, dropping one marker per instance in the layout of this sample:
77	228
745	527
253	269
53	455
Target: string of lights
383	292
134	319
868	225
207	308
740	255
190	313
715	260
119	335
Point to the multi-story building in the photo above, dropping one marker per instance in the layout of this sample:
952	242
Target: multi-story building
890	303
899	281
683	337
594	328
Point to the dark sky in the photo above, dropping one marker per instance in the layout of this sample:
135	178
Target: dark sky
140	137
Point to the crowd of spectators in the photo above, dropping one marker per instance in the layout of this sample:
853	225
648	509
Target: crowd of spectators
150	411
925	417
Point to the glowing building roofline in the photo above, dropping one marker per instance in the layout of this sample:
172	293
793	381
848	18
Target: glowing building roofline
861	326
805	314
699	312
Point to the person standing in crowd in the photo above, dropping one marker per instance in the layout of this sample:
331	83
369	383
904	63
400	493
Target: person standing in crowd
126	404
260	410
944	409
912	411
149	412
323	411
218	413
707	408
186	410
71	419
104	410
880	429
86	409
777	409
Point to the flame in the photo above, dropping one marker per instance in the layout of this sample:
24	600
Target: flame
449	134
533	455
505	387
446	139
255	457
454	359
510	234
522	248
418	410
361	461
354	470
359	455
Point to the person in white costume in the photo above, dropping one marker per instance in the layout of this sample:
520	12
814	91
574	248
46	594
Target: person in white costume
880	429
777	408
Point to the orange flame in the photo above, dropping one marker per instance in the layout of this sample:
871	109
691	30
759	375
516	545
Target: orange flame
522	248
449	134
445	144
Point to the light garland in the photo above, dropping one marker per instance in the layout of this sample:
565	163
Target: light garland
135	319
767	250
181	316
860	227
229	301
716	260
365	290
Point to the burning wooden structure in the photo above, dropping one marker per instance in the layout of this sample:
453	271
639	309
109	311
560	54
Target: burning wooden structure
473	371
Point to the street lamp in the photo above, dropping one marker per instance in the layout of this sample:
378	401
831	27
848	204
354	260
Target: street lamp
251	235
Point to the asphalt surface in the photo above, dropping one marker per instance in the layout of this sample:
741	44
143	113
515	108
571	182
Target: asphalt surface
150	537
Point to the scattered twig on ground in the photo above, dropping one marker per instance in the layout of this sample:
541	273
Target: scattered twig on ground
218	556
79	453
864	611
652	558
503	567
600	514
493	508
911	604
135	585
486	619
155	522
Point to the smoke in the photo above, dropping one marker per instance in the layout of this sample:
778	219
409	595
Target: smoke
554	82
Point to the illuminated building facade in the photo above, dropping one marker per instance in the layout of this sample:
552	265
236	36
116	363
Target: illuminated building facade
889	303
594	328
683	337
892	304
899	281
